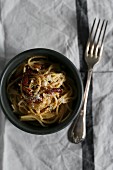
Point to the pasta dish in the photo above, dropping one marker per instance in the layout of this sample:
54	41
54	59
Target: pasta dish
40	90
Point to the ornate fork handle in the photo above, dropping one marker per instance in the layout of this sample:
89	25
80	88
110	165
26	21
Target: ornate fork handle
79	129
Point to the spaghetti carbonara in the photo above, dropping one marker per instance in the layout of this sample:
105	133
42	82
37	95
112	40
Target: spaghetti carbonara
40	90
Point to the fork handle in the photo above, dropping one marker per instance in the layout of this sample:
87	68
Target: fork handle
78	132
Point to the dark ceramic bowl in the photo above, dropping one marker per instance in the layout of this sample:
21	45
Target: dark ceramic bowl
55	57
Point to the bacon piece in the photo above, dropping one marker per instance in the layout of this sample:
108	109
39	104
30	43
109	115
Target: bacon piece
44	109
25	80
50	91
28	70
39	66
27	90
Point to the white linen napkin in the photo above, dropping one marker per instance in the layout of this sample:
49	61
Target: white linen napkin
56	25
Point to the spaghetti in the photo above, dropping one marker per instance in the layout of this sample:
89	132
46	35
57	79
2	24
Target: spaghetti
40	90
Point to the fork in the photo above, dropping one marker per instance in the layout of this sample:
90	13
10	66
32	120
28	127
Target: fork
93	54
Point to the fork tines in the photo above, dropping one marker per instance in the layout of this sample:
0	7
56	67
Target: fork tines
96	38
98	35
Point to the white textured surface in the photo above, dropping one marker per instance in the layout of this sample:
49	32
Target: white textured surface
103	9
103	119
39	152
52	24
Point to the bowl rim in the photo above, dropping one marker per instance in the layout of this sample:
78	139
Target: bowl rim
19	60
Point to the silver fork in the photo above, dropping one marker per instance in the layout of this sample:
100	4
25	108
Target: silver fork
93	54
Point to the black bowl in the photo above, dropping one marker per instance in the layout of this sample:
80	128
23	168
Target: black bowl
55	57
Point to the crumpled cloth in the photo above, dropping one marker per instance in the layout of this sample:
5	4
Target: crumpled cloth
27	24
